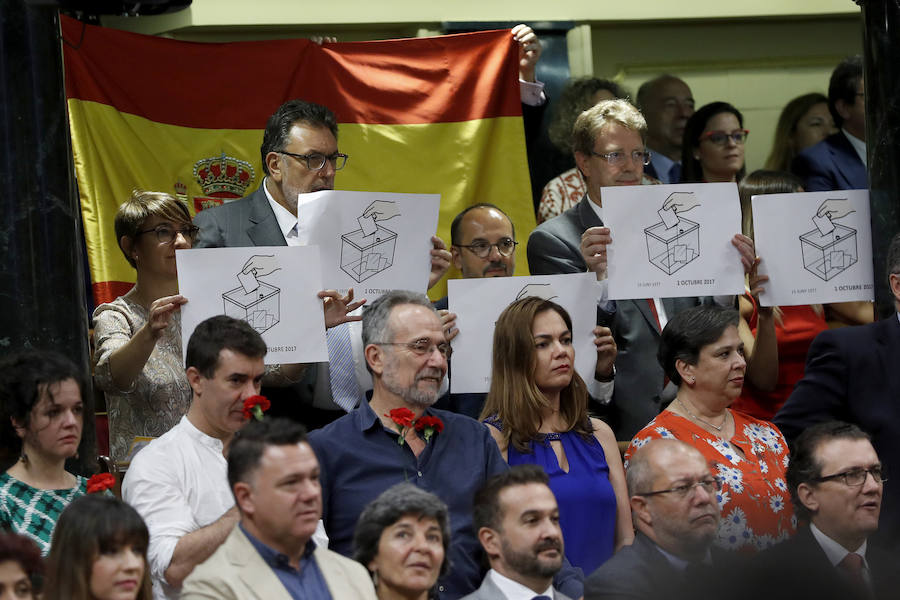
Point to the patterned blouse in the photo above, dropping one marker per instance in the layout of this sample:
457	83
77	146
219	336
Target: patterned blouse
32	512
560	194
755	502
159	396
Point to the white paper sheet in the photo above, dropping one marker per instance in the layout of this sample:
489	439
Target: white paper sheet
283	307
479	302
816	247
373	242
649	257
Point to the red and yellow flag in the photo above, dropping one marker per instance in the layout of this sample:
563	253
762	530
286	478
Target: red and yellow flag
426	115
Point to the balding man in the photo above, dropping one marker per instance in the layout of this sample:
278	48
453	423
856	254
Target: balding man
667	103
676	515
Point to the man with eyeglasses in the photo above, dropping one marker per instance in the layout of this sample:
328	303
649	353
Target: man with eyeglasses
384	441
836	482
676	517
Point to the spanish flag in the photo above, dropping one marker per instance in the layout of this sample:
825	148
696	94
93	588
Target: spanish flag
427	115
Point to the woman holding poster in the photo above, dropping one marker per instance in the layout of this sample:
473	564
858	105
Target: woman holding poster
537	413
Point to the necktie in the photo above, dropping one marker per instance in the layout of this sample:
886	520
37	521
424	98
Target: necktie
675	173
344	389
542	598
852	567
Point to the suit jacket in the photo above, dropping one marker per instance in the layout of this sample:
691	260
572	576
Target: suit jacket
237	571
245	222
489	591
852	375
832	164
555	247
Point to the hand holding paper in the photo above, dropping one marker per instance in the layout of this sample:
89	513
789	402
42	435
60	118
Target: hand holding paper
606	351
593	249
338	308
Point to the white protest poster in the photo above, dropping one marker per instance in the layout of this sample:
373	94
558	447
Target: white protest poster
816	247
373	242
479	302
671	241
272	288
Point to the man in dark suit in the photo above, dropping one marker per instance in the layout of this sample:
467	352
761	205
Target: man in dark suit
667	103
835	481
839	161
676	515
852	375
608	141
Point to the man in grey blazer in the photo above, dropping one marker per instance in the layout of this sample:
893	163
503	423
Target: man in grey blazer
609	144
270	554
517	521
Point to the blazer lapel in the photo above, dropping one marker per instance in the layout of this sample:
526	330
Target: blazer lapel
586	214
258	576
334	577
264	230
848	163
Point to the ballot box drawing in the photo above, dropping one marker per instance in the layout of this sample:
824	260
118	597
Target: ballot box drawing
260	308
365	255
827	255
671	248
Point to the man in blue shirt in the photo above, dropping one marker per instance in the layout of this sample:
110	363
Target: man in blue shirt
372	448
270	554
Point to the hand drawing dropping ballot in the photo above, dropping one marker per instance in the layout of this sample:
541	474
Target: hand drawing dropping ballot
370	249
830	248
255	301
674	241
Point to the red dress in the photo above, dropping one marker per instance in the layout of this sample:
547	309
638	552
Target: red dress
800	324
754	499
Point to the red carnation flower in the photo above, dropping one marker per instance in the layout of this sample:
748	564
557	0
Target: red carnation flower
255	406
100	483
402	416
430	425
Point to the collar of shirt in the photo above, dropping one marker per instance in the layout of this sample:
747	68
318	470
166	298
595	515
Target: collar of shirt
662	164
513	590
206	440
597	208
276	559
679	563
287	222
833	550
858	145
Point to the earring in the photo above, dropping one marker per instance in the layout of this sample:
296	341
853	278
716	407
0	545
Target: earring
23	457
375	578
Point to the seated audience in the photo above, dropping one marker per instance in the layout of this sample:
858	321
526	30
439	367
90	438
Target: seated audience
270	553
99	553
397	437
137	337
21	568
805	121
702	353
667	103
537	410
402	538
713	146
676	515
517	522
836	482
839	161
565	190
41	417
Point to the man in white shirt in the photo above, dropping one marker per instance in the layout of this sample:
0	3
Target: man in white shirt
517	522
179	482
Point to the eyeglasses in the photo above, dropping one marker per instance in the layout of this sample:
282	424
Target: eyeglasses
855	477
710	486
720	138
422	347
316	161
166	234
482	249
617	159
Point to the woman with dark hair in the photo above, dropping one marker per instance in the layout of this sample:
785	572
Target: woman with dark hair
713	148
99	553
21	568
537	412
804	122
41	418
701	352
402	538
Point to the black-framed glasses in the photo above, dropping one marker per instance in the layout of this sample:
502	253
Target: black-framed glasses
166	234
710	485
720	138
482	249
617	159
855	477
315	161
422	347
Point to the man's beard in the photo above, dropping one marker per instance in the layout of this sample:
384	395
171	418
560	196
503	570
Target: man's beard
412	394
529	563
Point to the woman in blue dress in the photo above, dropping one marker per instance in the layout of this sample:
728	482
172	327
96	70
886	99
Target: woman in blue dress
537	412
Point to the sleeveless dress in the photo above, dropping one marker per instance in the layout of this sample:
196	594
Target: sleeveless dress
587	502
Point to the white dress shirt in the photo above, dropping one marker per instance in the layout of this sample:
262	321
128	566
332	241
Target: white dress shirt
858	145
287	222
836	553
513	590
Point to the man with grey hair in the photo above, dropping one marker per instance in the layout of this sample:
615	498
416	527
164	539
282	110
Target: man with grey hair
397	436
676	515
666	102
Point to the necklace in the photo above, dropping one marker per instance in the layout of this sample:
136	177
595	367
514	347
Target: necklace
705	422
